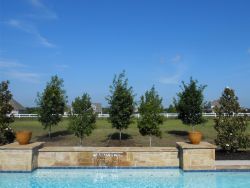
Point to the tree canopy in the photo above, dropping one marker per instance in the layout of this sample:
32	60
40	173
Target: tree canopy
230	126
189	103
121	101
150	110
83	118
52	103
6	133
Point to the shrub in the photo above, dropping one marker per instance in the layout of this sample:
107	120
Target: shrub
6	133
7	136
230	127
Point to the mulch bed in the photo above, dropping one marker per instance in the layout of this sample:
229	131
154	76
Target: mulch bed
240	155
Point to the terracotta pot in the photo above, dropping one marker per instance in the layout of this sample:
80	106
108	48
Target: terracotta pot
23	137
195	137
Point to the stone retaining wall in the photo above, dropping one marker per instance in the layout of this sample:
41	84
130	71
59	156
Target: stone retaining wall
197	157
111	156
14	157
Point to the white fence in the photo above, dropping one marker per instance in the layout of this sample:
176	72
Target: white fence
167	115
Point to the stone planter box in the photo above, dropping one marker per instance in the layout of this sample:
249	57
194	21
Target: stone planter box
196	157
15	157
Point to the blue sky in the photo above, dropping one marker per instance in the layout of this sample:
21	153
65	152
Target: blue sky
157	42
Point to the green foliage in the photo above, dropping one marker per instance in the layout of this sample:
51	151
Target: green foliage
105	110
189	103
32	110
82	120
207	107
51	103
171	109
6	133
150	110
230	127
121	103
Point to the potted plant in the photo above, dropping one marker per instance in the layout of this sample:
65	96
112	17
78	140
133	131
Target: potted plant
189	105
23	137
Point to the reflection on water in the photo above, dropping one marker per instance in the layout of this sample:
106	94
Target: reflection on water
120	178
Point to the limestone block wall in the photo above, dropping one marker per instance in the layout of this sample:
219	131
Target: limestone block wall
15	157
111	156
197	157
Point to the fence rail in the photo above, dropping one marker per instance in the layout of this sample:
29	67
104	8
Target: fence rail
167	115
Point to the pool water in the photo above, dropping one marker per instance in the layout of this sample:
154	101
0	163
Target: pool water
125	178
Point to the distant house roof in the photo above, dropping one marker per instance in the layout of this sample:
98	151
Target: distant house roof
16	105
97	107
215	103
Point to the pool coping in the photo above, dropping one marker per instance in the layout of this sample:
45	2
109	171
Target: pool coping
124	167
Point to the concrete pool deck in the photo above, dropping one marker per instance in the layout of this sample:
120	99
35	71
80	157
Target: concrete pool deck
232	164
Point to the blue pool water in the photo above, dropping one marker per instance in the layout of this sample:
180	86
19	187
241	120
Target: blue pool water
125	178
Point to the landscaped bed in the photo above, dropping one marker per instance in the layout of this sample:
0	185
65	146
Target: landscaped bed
239	155
173	131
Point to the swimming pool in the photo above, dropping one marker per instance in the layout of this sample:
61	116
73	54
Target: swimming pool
174	178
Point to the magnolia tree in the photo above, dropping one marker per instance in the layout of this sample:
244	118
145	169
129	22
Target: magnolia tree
189	103
121	101
51	103
150	110
82	118
6	133
230	127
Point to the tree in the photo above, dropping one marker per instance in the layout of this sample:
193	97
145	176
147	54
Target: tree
230	127
171	109
105	110
82	118
121	103
189	103
52	103
150	110
207	107
6	133
32	110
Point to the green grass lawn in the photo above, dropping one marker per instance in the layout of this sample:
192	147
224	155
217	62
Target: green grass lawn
104	135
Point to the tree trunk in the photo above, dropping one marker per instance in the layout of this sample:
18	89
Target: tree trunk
81	140
49	131
120	135
193	127
150	141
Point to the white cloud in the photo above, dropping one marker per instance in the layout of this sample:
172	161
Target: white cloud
12	69
24	76
6	63
41	10
44	41
175	79
29	28
178	70
20	25
36	3
176	59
